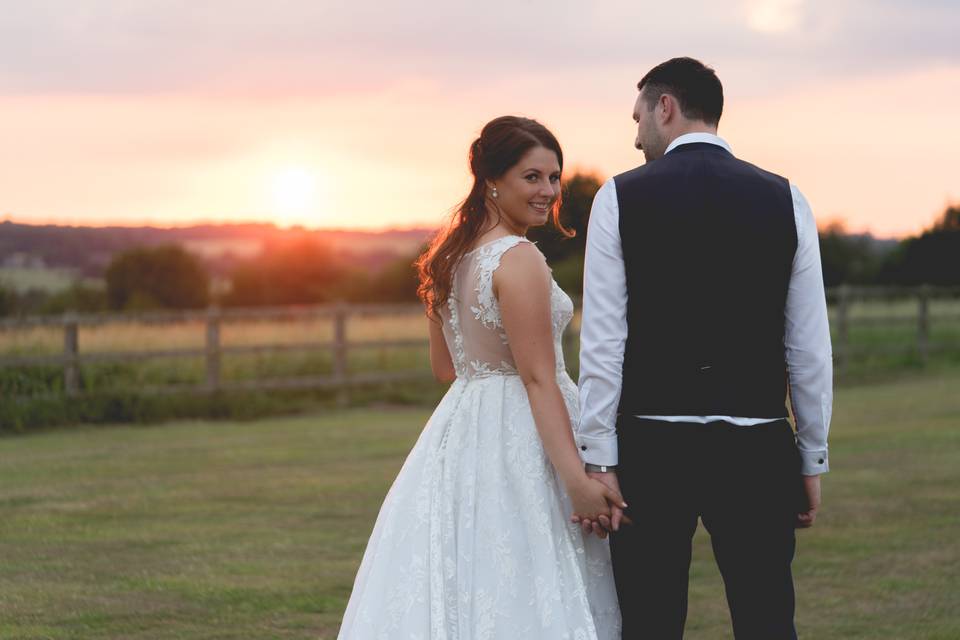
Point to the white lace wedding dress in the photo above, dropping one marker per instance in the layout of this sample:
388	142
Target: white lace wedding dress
474	539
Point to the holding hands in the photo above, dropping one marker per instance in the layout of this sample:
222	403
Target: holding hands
598	506
600	510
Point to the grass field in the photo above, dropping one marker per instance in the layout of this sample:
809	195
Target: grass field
254	530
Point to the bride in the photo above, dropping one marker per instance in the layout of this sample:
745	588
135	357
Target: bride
475	539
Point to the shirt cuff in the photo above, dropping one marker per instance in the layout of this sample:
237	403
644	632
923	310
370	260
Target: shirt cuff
595	450
813	463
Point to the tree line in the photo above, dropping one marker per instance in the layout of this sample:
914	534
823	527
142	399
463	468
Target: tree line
303	270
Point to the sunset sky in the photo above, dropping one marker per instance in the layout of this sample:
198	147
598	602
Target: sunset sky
359	114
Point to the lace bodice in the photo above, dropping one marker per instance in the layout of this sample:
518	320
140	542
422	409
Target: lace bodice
473	327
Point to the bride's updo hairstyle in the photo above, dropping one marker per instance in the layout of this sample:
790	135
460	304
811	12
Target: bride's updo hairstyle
501	145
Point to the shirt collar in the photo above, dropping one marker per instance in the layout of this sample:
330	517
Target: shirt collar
699	136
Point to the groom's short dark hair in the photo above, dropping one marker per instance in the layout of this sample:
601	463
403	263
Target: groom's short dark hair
695	86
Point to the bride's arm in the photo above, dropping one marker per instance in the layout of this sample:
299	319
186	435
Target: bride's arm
522	286
440	361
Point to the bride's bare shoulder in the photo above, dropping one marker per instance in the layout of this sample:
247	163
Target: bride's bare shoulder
523	266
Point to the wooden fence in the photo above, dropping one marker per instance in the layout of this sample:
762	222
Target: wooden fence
843	299
71	358
213	351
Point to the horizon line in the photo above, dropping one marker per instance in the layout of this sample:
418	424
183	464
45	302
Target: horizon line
822	226
204	222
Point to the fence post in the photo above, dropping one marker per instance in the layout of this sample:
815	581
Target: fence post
842	348
923	323
71	354
213	348
340	352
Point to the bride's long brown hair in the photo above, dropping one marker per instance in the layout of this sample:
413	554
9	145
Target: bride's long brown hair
501	145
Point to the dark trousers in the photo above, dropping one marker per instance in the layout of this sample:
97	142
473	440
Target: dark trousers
744	483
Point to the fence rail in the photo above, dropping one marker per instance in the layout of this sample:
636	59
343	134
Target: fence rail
71	358
213	351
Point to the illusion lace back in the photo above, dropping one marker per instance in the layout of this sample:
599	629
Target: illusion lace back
474	539
473	327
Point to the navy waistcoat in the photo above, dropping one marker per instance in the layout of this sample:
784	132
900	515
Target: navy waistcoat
708	246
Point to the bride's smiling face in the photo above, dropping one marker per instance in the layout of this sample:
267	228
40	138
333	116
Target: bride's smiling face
528	191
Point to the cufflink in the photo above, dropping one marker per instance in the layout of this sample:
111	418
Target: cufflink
599	468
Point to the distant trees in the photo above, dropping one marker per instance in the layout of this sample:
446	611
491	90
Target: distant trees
302	271
850	259
156	277
949	221
297	268
397	282
932	258
8	300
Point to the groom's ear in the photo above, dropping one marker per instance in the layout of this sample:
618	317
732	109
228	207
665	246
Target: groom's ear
668	107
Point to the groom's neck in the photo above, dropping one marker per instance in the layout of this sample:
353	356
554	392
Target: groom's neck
693	126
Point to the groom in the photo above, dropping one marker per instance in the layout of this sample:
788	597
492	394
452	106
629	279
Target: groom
703	307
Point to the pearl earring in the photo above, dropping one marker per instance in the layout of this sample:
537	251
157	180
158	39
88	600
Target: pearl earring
494	193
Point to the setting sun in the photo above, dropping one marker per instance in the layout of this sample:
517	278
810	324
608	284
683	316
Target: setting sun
293	195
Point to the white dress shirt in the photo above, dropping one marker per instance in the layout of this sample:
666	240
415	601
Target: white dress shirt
603	335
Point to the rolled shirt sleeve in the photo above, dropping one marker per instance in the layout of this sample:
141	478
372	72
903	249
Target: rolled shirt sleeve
603	331
807	342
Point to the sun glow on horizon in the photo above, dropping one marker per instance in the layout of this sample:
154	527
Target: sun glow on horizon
294	196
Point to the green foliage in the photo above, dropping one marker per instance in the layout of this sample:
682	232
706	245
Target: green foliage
78	297
27	414
30	380
156	277
569	274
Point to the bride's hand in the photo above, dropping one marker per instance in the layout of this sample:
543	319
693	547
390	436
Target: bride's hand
591	498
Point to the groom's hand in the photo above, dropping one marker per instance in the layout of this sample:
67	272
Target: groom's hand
811	487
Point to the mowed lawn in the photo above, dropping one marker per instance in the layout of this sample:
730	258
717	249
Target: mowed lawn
255	530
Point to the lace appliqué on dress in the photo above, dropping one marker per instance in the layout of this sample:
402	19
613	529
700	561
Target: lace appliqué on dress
459	358
487	310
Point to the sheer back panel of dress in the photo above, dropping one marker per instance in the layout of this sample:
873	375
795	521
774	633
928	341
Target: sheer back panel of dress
473	326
